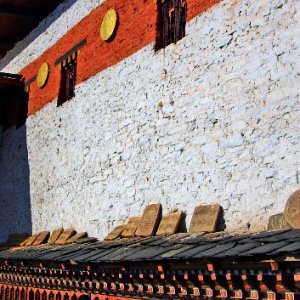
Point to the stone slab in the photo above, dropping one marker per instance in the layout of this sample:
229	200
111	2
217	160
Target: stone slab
115	233
42	238
131	227
278	222
149	221
170	223
76	237
292	210
205	218
55	235
68	233
31	240
23	243
86	240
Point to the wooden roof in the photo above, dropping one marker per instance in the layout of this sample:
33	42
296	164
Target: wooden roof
185	247
10	80
19	17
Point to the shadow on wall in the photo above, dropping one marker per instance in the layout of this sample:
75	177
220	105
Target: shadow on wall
44	24
15	212
15	208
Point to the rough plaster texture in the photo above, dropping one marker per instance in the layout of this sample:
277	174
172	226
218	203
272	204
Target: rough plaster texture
213	119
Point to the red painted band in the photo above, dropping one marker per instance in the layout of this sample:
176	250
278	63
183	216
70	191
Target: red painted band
137	29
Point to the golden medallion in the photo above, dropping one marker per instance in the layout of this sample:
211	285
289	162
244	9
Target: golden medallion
108	24
43	75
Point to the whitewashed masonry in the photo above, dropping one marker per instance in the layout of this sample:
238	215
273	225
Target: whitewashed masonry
212	119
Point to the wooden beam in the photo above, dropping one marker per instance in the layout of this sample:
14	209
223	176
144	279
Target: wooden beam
10	79
71	51
6	81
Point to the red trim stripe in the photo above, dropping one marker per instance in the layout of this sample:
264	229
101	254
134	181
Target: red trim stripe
137	29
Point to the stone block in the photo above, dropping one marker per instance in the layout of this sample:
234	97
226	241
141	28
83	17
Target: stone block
149	221
131	227
42	238
68	233
31	240
115	233
292	210
55	235
205	218
232	142
76	237
23	243
170	223
278	222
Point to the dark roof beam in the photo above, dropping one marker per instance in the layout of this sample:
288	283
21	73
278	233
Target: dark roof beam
17	11
10	79
7	81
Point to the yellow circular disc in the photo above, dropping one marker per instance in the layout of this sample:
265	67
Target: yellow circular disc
108	24
43	75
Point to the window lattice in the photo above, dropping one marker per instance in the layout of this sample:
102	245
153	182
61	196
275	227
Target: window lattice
68	79
171	23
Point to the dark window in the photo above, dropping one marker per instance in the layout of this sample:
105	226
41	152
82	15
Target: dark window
171	22
68	79
13	105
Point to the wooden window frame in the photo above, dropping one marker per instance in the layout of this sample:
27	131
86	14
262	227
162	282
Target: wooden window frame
171	22
68	79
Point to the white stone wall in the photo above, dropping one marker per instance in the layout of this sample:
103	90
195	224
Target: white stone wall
213	119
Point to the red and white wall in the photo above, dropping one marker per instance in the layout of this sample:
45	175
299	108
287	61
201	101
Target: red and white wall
212	119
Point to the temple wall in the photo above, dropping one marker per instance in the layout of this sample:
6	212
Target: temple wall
212	119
